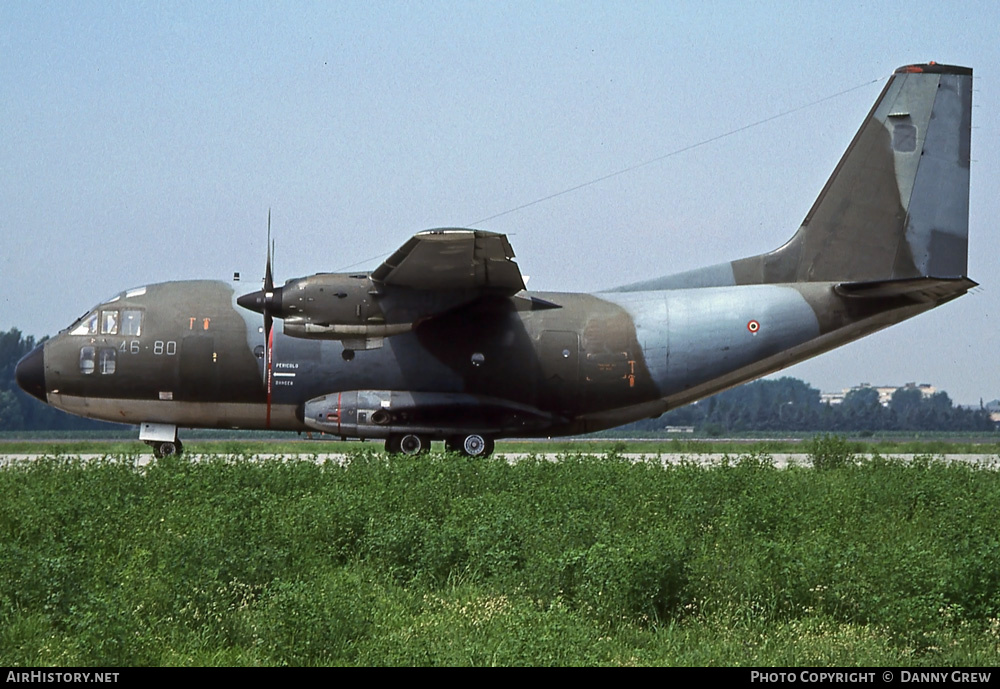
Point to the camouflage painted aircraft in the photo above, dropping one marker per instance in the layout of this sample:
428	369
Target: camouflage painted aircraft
443	342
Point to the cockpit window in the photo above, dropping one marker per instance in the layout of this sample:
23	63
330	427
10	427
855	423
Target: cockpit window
86	360
109	322
87	326
131	322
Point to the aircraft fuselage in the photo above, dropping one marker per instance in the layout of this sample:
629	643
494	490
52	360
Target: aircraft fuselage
184	353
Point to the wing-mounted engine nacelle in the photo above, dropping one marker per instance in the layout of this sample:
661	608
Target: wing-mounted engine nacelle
381	413
327	299
328	306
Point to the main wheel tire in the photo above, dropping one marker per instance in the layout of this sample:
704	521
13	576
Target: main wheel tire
475	445
413	444
392	445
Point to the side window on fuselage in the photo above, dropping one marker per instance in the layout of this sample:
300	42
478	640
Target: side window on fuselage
107	361
87	355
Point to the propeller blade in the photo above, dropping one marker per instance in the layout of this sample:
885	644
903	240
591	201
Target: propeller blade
266	302
268	272
268	318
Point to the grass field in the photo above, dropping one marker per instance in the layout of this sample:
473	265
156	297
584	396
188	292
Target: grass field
589	560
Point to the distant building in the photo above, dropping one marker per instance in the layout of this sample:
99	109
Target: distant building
885	392
833	398
994	409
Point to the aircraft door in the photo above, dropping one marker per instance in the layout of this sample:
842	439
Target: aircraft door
199	370
559	355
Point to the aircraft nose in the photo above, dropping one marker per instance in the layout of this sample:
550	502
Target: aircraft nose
30	373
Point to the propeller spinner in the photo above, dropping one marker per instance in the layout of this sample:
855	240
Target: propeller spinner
265	301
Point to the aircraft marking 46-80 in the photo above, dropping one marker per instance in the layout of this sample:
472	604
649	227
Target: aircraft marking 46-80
443	342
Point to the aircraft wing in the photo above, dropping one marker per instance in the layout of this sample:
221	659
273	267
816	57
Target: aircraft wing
453	260
435	272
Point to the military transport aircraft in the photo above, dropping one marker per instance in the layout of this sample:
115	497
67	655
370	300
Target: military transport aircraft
443	342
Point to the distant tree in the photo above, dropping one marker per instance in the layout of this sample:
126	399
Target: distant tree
861	400
941	400
12	347
861	411
789	404
906	401
11	418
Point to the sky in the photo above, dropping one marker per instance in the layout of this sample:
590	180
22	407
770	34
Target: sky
146	141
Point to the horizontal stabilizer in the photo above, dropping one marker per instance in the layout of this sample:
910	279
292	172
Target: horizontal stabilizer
921	289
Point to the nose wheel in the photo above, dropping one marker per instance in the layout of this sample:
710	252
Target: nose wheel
166	448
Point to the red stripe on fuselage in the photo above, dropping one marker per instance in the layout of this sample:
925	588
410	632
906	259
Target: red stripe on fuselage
270	356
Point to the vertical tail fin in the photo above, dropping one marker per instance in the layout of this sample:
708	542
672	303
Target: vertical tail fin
897	204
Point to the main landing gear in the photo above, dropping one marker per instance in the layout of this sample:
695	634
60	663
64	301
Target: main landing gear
472	445
407	444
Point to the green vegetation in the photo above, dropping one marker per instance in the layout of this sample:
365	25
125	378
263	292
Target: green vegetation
789	404
830	452
444	560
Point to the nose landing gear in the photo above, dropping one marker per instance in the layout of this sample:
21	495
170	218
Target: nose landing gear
166	449
162	437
